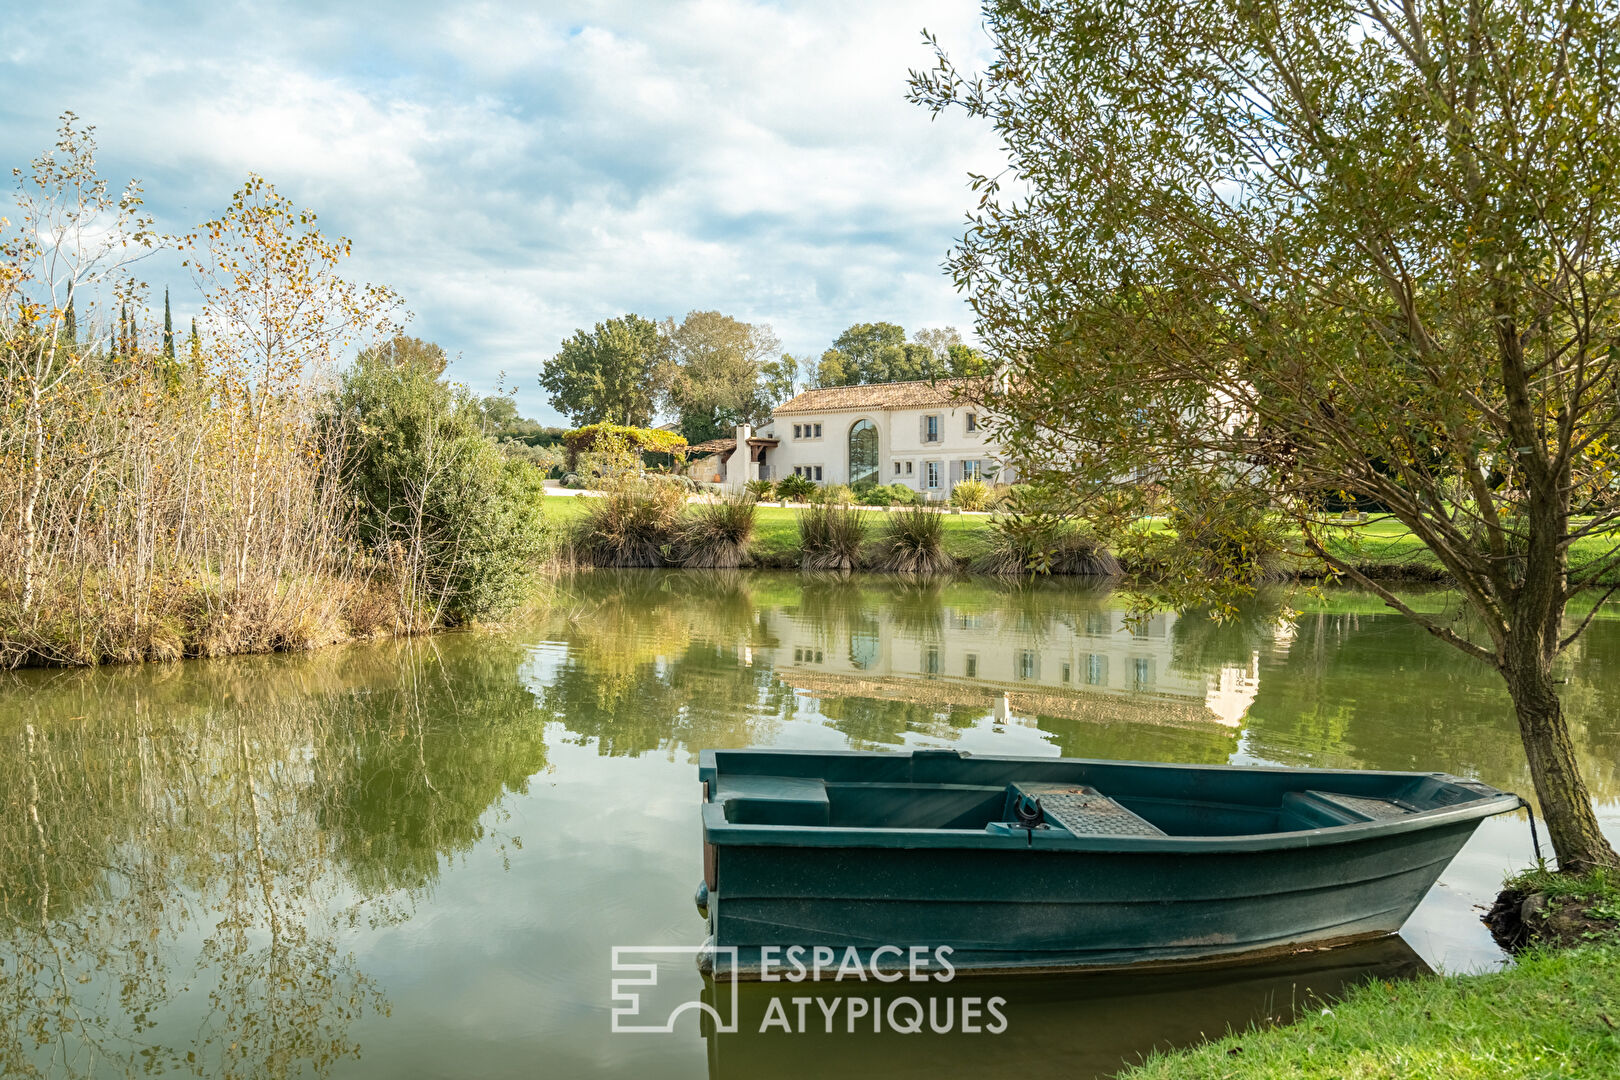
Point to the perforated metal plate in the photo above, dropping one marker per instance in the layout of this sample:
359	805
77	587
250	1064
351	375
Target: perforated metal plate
1085	811
1377	809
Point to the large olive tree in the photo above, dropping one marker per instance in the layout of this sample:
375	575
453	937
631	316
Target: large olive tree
1325	251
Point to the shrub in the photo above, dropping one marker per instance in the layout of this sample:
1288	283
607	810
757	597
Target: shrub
760	490
636	525
457	521
904	496
716	534
572	482
833	494
876	495
1022	544
795	488
830	536
971	495
913	542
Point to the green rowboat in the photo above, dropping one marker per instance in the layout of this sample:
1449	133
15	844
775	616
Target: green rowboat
1021	864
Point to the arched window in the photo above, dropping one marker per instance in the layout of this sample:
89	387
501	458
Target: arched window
863	453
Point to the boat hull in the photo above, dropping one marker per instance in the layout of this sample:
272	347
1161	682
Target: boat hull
1031	902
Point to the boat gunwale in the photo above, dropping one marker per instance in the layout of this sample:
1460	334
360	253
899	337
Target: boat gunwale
719	831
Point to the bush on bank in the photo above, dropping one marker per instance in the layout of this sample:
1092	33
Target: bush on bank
457	523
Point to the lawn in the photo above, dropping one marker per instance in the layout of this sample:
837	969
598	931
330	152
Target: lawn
1381	547
776	530
1554	1013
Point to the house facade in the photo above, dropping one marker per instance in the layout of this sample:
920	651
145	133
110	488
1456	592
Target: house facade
928	436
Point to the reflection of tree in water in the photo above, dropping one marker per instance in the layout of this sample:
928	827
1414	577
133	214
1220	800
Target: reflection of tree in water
243	806
1205	644
875	723
662	661
1373	691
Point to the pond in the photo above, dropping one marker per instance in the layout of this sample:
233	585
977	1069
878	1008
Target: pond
415	858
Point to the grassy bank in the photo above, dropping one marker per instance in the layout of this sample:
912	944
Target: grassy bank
1552	1014
1380	549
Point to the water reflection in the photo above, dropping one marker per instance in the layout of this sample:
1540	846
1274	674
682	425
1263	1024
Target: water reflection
1074	1027
407	857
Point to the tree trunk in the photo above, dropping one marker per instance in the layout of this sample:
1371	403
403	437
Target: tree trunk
1565	805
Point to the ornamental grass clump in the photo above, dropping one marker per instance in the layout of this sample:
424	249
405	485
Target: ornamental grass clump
716	534
795	488
636	525
830	536
912	541
971	495
1022	544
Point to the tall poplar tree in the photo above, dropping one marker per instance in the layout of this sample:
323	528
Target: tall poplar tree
168	327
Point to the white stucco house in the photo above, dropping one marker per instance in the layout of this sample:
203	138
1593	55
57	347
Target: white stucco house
928	436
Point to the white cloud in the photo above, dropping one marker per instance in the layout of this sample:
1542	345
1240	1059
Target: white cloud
519	174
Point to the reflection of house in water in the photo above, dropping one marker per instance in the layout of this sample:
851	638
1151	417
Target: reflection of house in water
1089	664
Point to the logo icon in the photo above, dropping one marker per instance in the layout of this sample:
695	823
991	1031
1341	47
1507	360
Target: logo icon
636	970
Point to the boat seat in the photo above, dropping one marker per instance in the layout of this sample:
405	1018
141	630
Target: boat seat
1085	811
774	800
1361	807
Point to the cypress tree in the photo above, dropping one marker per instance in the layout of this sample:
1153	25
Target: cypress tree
196	348
70	324
168	327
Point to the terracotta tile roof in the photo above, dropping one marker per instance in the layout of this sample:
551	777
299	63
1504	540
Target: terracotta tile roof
713	446
725	446
882	396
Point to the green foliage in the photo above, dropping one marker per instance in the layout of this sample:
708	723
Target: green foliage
168	329
1312	248
795	488
456	520
634	525
830	536
643	440
716	534
759	490
716	378
971	495
614	373
886	495
828	494
1037	544
1212	532
912	541
548	459
873	353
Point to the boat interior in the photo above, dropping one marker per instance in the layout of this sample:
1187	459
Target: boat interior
947	790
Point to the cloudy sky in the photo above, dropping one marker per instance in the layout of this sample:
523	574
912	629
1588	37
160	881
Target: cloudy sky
520	171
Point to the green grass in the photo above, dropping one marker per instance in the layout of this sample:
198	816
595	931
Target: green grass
1597	892
776	530
1382	547
1552	1014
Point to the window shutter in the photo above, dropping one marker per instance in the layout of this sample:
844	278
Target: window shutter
956	472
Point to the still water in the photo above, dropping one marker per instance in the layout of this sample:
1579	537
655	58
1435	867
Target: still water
414	858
